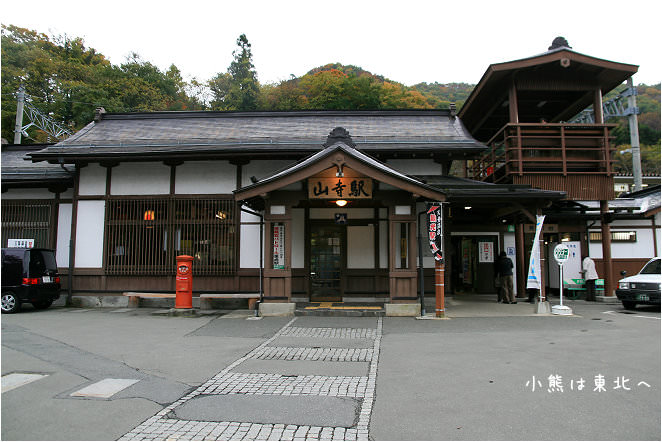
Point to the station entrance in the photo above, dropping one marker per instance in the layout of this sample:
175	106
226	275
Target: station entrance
472	263
327	261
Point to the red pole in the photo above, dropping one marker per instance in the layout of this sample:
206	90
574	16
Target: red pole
440	309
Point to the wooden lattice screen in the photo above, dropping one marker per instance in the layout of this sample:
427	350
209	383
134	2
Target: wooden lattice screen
144	236
28	219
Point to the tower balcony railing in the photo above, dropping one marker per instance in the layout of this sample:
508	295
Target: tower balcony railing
549	149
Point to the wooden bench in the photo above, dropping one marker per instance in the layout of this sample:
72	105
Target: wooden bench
205	297
134	297
577	289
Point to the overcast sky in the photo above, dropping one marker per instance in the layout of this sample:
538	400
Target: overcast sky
405	41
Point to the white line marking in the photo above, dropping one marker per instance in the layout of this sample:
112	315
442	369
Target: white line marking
610	312
15	380
105	388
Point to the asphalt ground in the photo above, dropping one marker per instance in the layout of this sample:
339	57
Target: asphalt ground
476	376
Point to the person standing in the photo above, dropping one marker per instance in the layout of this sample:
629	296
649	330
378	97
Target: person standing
590	276
504	268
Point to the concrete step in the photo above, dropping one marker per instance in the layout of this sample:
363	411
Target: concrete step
339	309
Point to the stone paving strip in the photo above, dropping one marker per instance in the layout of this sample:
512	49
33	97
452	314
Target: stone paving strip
264	383
316	354
163	426
330	332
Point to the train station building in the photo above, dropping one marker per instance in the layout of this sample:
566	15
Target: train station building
324	206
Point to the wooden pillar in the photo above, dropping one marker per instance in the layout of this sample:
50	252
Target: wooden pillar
606	249
512	104
597	106
440	305
278	281
654	236
402	277
521	262
542	259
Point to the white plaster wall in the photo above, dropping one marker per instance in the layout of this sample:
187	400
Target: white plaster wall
140	179
261	169
595	250
28	194
298	238
416	166
629	222
92	180
249	247
205	177
383	244
249	218
63	235
361	247
89	234
643	248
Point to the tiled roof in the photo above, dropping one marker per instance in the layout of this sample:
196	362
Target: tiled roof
306	131
16	168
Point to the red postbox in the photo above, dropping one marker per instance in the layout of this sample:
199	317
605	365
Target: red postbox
184	282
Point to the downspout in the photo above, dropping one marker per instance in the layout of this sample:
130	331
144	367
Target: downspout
70	276
257	305
421	270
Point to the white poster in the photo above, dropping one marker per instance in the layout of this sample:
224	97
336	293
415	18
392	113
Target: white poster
533	280
485	251
20	243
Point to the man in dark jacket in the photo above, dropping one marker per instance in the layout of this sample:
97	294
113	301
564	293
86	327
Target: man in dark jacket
504	269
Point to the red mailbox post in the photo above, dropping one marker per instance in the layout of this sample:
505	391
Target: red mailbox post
184	282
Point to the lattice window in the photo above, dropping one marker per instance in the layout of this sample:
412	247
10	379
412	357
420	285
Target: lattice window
629	236
27	219
144	236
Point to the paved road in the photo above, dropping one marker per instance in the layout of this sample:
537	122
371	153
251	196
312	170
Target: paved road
226	377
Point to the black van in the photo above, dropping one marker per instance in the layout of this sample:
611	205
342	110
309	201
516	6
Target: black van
29	275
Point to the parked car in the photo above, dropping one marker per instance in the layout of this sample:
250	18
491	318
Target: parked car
29	275
642	288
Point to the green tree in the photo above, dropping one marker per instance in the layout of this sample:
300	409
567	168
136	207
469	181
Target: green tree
67	81
238	89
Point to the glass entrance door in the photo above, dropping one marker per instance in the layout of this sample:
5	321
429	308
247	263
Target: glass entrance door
326	262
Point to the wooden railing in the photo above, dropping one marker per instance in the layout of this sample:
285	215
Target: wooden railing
546	149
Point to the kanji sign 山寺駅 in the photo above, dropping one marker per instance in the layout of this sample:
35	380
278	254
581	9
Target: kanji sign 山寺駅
346	188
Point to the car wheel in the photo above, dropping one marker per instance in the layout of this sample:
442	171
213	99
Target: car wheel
10	303
42	305
629	305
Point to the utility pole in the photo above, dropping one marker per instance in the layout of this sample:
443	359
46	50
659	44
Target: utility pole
18	127
54	129
631	112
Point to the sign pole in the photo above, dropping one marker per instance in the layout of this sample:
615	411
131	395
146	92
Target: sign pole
435	214
439	269
561	255
561	284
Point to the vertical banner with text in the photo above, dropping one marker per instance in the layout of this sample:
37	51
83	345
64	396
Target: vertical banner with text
435	230
533	280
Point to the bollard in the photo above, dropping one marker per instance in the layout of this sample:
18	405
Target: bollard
184	282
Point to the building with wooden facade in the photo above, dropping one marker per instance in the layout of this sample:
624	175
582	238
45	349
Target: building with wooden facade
324	205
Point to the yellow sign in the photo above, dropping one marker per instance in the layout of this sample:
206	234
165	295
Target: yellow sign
346	188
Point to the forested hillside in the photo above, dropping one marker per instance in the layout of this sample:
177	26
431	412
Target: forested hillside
68	81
